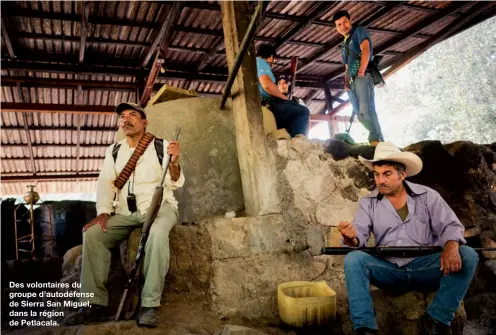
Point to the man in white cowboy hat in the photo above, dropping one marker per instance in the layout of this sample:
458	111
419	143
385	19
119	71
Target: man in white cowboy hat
401	213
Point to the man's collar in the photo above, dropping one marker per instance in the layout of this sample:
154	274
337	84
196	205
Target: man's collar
353	28
411	188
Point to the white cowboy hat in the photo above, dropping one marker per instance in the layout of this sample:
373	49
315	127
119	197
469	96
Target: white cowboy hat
387	151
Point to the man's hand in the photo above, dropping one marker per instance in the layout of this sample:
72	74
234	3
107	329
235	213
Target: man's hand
450	258
174	150
348	231
100	219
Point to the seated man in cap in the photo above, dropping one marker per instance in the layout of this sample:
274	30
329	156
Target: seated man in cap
134	198
401	213
288	114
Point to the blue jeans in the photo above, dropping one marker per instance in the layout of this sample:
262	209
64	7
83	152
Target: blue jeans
290	115
423	273
361	95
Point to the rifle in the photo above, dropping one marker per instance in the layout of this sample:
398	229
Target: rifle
385	251
131	298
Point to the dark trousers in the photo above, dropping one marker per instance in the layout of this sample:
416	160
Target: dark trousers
290	115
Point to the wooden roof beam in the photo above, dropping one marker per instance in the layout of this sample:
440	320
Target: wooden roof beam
435	18
166	32
319	9
56	128
51	158
89	40
6	39
9	107
55	145
6	178
85	12
163	41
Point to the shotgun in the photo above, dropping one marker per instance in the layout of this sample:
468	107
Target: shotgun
385	251
131	298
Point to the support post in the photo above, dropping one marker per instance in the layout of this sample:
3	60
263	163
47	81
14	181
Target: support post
256	161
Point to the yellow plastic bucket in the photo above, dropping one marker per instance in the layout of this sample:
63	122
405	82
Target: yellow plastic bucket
306	304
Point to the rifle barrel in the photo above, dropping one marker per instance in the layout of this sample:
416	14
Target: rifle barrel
406	251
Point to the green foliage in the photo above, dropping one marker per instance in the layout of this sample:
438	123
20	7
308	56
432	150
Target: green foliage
447	94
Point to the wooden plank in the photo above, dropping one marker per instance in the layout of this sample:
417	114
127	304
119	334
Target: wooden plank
318	9
45	128
150	81
6	39
16	159
257	177
166	31
85	11
167	93
10	107
12	179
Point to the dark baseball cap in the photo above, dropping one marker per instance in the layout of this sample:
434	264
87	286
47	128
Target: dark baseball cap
284	77
130	105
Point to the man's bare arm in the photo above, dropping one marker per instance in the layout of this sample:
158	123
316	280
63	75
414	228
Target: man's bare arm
364	60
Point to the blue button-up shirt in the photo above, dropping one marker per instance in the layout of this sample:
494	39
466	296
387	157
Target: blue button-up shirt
430	221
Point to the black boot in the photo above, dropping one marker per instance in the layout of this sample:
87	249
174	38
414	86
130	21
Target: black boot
430	326
95	313
148	317
365	331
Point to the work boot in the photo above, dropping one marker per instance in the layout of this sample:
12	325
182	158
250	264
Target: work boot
365	331
148	317
430	326
94	313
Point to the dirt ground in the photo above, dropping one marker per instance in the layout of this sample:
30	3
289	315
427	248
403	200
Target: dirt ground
175	318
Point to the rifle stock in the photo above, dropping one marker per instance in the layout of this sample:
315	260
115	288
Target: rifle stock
131	297
385	251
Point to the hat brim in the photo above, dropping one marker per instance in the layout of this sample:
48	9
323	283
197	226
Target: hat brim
412	162
125	106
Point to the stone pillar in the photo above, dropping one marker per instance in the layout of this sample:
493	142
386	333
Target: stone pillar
256	161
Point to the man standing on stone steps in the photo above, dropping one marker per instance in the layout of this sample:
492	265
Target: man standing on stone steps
357	52
401	213
106	231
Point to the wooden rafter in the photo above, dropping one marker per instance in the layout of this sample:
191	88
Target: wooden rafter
26	129
85	12
52	158
164	37
55	108
319	9
54	145
11	179
45	128
8	42
209	76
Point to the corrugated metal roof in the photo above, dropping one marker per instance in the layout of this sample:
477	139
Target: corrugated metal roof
119	35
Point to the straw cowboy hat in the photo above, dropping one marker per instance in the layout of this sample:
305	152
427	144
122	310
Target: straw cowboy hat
387	151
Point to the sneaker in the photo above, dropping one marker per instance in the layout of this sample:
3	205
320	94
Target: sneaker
95	313
148	317
430	326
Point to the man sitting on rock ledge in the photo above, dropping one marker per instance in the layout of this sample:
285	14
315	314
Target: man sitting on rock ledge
134	199
401	213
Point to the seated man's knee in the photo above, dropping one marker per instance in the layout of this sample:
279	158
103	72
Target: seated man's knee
469	257
354	258
93	233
